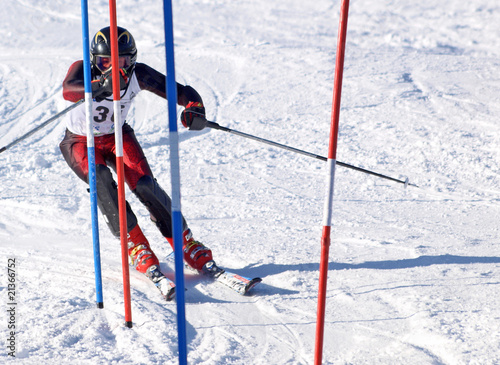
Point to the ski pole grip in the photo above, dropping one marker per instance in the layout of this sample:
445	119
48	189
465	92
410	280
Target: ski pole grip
213	125
221	128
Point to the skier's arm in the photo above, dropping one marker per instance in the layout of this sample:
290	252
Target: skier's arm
193	117
73	85
154	81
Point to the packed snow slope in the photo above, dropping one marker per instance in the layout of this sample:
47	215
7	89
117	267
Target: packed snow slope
414	273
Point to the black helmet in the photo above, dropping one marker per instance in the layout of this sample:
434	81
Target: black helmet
100	50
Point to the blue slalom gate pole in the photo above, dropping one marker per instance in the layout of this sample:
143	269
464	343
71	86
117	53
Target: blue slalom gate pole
91	153
171	90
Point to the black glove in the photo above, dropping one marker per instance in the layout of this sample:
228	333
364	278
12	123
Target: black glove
103	87
193	117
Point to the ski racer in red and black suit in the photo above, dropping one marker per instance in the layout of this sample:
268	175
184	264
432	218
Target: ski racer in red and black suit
134	77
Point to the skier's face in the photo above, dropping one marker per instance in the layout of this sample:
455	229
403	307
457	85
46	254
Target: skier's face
103	63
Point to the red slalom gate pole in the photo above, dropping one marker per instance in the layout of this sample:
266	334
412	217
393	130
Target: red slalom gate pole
115	70
332	155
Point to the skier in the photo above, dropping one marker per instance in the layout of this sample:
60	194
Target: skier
134	77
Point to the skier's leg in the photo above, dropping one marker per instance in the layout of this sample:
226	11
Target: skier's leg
107	200
140	253
159	206
74	149
142	183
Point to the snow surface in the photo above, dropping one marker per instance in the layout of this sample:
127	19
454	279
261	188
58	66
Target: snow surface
414	273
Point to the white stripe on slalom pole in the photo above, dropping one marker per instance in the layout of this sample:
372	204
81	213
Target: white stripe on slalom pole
328	207
88	117
118	127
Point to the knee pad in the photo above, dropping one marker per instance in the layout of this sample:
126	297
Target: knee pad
107	201
158	204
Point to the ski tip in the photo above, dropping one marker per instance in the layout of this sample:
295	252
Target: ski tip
251	285
100	305
128	324
171	295
166	288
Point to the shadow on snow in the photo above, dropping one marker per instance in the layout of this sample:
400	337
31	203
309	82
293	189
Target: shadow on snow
422	261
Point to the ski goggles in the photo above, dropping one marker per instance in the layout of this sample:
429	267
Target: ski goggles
103	63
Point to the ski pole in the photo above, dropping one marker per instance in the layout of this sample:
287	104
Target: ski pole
34	130
214	125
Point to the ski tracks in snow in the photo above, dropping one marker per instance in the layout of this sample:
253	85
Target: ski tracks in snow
230	328
58	313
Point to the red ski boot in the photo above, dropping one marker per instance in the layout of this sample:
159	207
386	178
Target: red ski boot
141	255
196	254
146	262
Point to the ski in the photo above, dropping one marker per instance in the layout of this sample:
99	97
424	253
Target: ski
167	288
239	283
164	284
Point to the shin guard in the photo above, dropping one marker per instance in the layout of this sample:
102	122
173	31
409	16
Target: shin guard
107	201
158	204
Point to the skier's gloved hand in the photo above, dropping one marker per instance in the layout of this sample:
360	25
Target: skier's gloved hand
103	87
193	117
100	91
